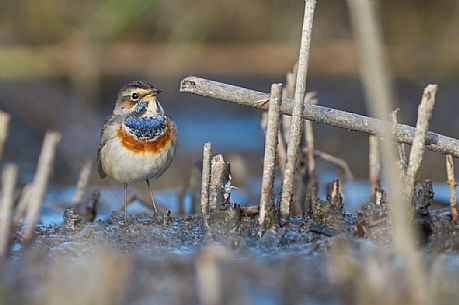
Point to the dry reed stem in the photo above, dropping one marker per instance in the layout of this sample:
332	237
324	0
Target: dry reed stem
269	165
288	92
400	146
44	168
23	202
100	278
296	126
417	149
4	123
339	163
376	79
452	186
209	276
320	114
374	175
309	98
9	176
206	170
81	185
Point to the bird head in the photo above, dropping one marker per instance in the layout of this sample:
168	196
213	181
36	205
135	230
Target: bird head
138	98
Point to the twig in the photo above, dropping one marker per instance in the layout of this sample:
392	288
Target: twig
400	146
81	185
452	186
272	131
282	152
9	176
23	203
91	208
296	127
339	163
206	171
45	164
417	149
288	92
250	211
4	122
319	114
309	98
374	164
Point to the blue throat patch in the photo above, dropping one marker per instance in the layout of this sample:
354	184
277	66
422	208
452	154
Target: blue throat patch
145	128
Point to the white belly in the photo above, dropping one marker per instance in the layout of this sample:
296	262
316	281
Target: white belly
127	166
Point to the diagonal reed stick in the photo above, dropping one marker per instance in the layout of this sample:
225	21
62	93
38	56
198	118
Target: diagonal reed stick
319	114
45	164
82	185
417	149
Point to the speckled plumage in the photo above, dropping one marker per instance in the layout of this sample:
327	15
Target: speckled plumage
138	141
146	128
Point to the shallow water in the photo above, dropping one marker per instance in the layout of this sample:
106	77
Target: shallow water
58	198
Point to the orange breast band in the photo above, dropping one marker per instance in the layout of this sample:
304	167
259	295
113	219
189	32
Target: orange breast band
152	146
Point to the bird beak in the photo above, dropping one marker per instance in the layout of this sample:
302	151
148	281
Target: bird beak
157	91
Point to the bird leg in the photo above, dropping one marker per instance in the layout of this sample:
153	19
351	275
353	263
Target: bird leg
125	202
152	199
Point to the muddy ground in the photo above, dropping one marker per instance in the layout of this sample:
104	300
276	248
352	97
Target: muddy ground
170	260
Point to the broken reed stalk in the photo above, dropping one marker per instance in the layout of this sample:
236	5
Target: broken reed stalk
309	136
339	163
319	114
81	185
4	122
205	184
269	165
400	146
9	176
45	164
417	149
374	175
296	123
220	184
452	186
23	202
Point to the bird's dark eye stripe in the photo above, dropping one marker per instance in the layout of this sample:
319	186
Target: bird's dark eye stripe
135	95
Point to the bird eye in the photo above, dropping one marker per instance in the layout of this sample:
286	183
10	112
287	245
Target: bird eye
135	96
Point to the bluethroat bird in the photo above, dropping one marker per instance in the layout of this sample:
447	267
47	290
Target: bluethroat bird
138	140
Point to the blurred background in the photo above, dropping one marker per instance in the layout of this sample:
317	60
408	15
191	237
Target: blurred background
62	63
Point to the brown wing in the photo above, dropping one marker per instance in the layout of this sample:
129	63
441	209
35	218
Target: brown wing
106	134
